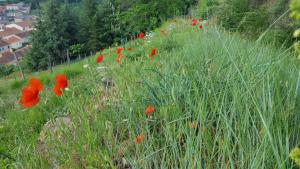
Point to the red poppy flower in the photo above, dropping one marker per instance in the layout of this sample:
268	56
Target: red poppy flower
153	52
139	138
119	58
29	97
200	27
194	22
141	35
100	58
130	49
30	93
149	111
36	83
61	83
119	50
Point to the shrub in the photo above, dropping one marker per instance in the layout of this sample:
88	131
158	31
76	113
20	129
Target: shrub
6	70
17	84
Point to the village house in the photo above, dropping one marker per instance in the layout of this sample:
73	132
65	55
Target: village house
7	32
23	25
14	42
9	57
16	25
3	46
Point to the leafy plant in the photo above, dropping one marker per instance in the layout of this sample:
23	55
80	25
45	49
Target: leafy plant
295	7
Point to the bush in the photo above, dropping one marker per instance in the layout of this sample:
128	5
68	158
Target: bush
254	22
6	70
253	18
17	84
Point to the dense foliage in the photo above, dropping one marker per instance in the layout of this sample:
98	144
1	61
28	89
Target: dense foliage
94	25
263	20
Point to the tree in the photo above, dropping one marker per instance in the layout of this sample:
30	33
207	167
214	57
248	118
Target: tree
88	30
48	40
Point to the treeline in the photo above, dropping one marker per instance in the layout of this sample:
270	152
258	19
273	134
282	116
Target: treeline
264	20
79	27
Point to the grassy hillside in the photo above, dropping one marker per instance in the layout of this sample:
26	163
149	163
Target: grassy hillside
220	102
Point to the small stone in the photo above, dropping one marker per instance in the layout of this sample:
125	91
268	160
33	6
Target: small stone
107	82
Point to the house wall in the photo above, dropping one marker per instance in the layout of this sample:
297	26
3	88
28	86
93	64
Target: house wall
16	45
4	48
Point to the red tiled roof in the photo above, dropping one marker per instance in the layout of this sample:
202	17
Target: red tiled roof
21	52
9	31
11	40
3	43
24	24
8	57
24	34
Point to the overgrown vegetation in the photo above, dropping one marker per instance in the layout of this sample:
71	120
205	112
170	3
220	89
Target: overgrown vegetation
94	25
221	102
263	20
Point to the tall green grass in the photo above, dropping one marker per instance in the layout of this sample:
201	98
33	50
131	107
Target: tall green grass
241	98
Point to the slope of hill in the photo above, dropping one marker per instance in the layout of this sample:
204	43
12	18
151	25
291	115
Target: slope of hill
220	102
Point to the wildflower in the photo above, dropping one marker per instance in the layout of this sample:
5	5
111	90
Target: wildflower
119	58
139	138
61	83
141	35
130	49
85	66
100	58
193	125
36	83
119	50
194	22
149	111
29	97
30	93
200	27
153	52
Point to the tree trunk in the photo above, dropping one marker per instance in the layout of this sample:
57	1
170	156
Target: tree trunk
68	57
49	63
